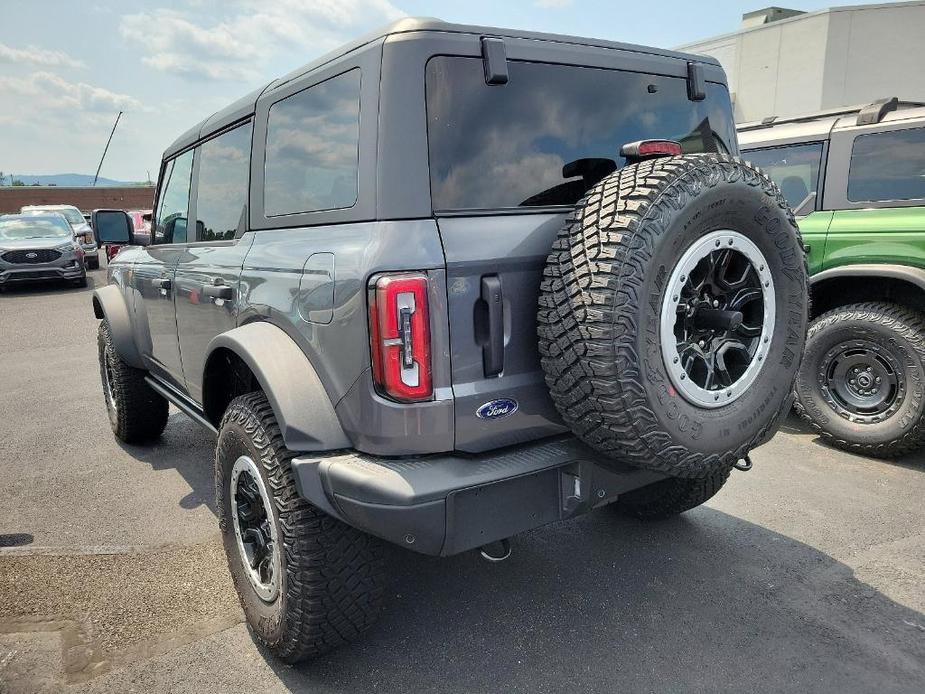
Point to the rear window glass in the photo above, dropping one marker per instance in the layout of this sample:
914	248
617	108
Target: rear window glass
313	142
553	131
888	166
795	168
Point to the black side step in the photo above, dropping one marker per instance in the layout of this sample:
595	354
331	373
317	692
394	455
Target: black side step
184	404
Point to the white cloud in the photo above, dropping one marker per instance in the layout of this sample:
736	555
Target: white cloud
238	47
33	55
46	93
556	4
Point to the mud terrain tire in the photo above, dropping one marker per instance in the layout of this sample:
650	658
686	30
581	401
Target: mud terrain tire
889	341
329	580
603	300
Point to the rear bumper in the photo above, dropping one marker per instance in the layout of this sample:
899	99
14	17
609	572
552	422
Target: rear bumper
446	504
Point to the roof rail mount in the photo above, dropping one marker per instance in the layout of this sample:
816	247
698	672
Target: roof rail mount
874	112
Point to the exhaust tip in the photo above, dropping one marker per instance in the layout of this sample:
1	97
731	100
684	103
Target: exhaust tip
496	551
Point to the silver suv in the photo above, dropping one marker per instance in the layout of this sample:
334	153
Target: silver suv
39	247
81	229
445	285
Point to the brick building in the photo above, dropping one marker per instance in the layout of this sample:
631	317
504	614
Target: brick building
12	198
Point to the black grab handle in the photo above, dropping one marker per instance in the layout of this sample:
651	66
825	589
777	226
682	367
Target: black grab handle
493	349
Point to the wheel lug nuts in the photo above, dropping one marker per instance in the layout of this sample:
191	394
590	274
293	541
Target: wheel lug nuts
877	380
715	303
851	381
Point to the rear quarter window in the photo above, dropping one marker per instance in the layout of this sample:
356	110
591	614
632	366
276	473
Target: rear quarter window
888	166
794	168
553	131
312	151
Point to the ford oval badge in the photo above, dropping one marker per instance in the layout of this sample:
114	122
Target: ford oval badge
497	409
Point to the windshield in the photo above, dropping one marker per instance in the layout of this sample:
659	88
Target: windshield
553	131
34	227
794	168
71	214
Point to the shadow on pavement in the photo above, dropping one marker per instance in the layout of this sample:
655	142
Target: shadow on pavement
793	424
187	448
704	603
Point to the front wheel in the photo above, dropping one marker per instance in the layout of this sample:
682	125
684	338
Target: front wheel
136	412
307	582
862	381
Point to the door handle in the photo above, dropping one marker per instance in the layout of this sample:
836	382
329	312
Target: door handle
161	282
493	348
217	291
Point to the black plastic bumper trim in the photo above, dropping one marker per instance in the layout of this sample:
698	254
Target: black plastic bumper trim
446	504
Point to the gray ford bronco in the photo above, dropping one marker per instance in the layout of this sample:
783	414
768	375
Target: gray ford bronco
445	285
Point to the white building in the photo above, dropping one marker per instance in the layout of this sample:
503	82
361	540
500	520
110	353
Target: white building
786	62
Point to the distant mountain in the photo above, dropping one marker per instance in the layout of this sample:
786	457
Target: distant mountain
68	179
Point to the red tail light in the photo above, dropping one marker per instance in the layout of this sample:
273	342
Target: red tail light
399	335
648	149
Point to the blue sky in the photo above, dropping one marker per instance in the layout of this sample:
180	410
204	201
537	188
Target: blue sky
68	66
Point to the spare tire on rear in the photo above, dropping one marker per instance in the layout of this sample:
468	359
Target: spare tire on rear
673	312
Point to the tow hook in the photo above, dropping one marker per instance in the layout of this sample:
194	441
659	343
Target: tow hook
503	545
744	465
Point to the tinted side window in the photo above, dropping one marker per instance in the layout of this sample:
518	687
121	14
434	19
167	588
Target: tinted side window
312	154
553	131
888	166
171	221
795	168
224	167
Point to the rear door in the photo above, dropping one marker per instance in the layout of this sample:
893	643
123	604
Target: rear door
796	169
209	268
153	271
876	184
507	163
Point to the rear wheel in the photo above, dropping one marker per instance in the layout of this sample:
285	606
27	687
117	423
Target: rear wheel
136	412
673	313
862	382
307	582
670	497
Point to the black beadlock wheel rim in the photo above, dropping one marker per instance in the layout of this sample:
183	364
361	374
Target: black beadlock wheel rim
862	381
255	532
717	318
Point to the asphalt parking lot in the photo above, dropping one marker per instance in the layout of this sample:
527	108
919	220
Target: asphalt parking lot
804	575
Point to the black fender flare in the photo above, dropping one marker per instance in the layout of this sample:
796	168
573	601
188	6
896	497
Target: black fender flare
302	407
109	304
906	273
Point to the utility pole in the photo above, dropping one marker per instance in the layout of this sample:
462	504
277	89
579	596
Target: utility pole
106	148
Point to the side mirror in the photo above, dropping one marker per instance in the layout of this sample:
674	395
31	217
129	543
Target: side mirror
113	226
806	206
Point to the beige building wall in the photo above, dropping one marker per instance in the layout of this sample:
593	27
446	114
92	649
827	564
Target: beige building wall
841	56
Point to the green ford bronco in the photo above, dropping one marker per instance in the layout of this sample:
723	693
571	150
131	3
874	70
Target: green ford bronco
855	178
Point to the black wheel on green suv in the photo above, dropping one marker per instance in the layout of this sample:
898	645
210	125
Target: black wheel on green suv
307	582
862	381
